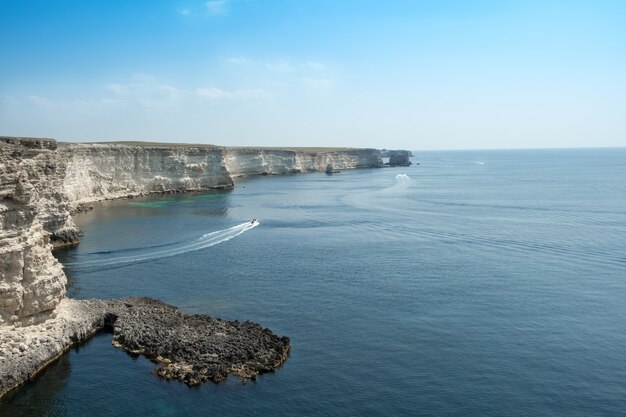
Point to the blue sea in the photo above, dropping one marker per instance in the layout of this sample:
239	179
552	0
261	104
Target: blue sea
483	283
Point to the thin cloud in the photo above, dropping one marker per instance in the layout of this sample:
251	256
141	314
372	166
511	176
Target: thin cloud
153	94
41	101
282	67
184	12
238	60
144	78
315	65
316	83
215	94
217	7
117	88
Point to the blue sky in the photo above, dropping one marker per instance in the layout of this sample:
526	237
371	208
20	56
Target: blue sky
399	74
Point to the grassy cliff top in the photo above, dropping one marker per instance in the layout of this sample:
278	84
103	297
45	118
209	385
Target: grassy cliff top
303	149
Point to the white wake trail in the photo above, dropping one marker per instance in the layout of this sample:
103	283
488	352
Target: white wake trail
402	179
142	255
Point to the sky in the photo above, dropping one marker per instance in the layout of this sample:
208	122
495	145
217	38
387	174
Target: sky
445	74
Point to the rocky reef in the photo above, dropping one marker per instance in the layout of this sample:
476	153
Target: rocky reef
195	348
192	349
398	158
42	182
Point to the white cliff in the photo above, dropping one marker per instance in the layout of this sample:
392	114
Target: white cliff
108	171
242	162
32	282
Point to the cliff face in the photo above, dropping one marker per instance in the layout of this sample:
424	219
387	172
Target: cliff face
32	281
245	162
101	171
42	183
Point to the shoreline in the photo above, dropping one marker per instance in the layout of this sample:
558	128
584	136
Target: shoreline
143	326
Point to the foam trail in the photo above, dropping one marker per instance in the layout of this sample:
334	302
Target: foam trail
96	261
403	179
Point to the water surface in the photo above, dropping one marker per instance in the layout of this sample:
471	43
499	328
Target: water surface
478	283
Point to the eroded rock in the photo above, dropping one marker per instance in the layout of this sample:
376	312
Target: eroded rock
194	348
189	348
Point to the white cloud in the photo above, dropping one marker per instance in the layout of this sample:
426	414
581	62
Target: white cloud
215	94
144	78
41	101
184	12
8	101
216	7
282	67
315	65
152	94
117	88
238	60
316	83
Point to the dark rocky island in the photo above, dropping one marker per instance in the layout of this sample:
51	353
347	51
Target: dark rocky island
194	348
397	158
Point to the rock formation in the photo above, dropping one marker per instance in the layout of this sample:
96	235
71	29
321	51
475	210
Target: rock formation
192	349
399	158
195	348
32	282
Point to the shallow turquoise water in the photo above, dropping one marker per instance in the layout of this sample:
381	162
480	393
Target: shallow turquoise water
487	283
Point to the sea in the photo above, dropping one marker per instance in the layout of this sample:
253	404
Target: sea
472	283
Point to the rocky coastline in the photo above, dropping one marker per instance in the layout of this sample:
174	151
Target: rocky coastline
193	349
43	182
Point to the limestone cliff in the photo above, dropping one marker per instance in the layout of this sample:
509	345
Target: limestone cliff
107	171
32	281
242	162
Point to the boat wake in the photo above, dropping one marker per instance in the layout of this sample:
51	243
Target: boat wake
98	261
403	179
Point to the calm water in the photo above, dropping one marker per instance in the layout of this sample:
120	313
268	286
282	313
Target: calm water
481	283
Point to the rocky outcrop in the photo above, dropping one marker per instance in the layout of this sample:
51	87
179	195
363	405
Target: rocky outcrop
192	349
24	351
196	348
399	158
387	153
